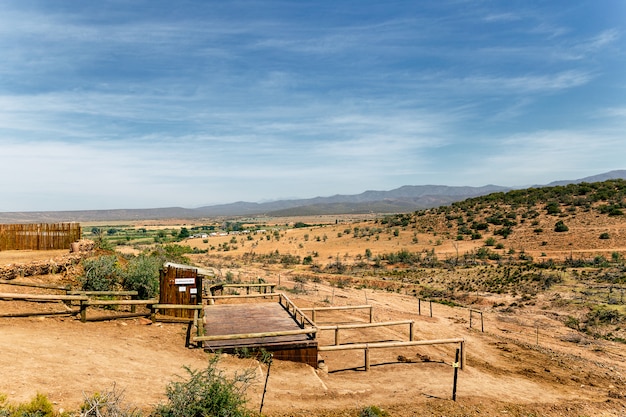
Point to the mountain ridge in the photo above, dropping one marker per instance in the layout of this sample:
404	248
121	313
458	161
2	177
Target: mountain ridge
402	199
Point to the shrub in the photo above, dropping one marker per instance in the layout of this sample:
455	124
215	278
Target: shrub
142	275
553	208
605	236
106	404
102	273
207	393
560	227
39	406
172	253
490	242
372	411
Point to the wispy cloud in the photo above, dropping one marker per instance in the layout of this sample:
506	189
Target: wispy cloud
251	101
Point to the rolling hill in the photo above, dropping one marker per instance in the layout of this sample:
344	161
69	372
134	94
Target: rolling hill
400	200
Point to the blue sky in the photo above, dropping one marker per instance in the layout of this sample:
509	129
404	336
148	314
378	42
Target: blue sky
139	104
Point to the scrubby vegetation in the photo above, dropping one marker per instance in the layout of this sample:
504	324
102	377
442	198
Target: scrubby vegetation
203	393
206	393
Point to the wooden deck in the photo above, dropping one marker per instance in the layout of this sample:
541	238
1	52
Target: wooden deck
234	319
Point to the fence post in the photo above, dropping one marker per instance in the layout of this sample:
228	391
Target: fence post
482	323
431	307
455	365
83	311
367	359
371	314
411	331
419	306
336	335
462	358
537	328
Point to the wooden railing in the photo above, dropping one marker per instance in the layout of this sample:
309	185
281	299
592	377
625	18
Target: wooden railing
35	285
68	299
264	286
339	327
313	310
381	345
309	331
295	312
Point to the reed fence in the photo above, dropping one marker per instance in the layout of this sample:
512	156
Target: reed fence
38	236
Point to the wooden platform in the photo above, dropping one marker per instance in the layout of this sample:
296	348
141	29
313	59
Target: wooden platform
231	319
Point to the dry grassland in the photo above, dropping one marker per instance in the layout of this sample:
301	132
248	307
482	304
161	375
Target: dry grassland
528	361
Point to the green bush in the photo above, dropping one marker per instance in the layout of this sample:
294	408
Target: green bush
372	411
142	275
560	227
605	236
39	406
102	273
207	393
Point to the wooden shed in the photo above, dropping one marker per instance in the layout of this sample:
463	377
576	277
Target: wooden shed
180	284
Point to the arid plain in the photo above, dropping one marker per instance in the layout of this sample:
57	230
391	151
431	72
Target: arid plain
539	353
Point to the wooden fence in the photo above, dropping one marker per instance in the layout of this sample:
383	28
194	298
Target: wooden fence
339	327
313	310
380	345
39	236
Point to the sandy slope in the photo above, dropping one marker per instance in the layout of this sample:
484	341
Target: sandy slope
506	370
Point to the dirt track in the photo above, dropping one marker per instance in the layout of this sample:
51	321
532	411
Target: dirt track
506	370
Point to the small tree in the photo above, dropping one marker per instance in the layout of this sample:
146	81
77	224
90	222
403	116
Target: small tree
207	393
184	233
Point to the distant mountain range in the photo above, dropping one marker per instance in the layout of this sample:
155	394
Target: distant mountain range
404	199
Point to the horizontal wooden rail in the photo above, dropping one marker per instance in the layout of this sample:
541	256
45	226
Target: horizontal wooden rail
43	297
265	286
335	308
178	306
379	345
247	285
104	293
116	317
311	330
35	285
223	297
92	302
41	313
313	310
365	325
338	327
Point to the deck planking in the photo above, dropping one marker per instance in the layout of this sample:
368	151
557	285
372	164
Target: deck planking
231	319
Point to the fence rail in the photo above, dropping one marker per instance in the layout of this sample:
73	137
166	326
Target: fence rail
339	327
38	236
313	310
381	345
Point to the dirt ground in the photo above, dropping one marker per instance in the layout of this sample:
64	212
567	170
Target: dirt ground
511	369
